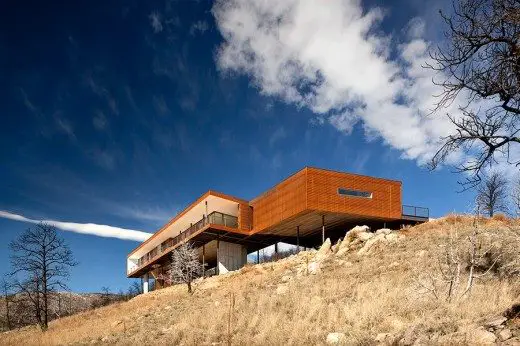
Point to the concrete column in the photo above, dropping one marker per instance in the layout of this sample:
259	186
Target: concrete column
144	279
230	256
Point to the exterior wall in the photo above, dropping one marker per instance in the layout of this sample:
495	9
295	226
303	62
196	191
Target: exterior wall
322	194
245	217
231	257
281	202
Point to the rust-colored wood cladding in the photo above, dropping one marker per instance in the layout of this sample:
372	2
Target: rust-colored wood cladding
322	194
281	202
245	217
313	189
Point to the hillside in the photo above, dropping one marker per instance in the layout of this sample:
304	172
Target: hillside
368	289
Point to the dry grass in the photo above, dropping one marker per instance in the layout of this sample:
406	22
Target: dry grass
360	296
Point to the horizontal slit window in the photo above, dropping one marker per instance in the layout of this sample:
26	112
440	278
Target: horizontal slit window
354	193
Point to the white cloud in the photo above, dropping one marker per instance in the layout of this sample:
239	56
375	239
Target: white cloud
334	60
84	228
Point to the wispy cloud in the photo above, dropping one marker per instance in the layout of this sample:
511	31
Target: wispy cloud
84	228
27	102
156	21
278	135
160	105
100	121
101	91
199	26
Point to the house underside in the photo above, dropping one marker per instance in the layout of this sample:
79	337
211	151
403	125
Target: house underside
303	210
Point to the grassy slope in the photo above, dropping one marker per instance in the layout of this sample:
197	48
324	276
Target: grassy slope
360	296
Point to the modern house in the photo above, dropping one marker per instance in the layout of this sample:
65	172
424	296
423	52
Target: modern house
303	210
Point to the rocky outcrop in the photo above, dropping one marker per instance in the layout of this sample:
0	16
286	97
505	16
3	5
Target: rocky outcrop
359	238
336	338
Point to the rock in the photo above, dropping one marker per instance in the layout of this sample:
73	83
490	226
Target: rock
394	264
336	338
482	336
505	334
409	336
364	236
337	246
370	243
384	337
352	234
104	339
282	289
324	250
342	252
313	268
286	278
391	237
495	322
116	323
422	253
384	231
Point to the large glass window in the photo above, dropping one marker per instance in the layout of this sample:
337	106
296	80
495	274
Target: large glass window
354	193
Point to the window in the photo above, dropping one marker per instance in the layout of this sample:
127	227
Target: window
354	193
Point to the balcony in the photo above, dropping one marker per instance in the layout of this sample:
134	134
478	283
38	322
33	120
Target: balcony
215	218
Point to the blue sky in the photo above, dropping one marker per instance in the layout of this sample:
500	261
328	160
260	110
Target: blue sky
121	113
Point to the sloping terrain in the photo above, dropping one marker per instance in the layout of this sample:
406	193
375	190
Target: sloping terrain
369	289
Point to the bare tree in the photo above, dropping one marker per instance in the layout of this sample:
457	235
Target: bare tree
482	59
492	194
185	266
515	197
6	288
135	289
106	296
41	262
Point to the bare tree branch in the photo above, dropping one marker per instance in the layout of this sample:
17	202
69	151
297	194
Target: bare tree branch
481	59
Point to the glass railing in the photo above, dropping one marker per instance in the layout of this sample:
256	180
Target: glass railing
215	218
410	210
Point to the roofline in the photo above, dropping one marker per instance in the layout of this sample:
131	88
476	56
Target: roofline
306	168
185	210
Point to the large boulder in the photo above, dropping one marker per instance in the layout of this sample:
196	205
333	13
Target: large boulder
481	336
384	231
352	234
324	250
364	236
336	247
313	268
370	243
392	237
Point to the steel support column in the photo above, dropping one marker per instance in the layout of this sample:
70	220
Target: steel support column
298	237
203	260
323	229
